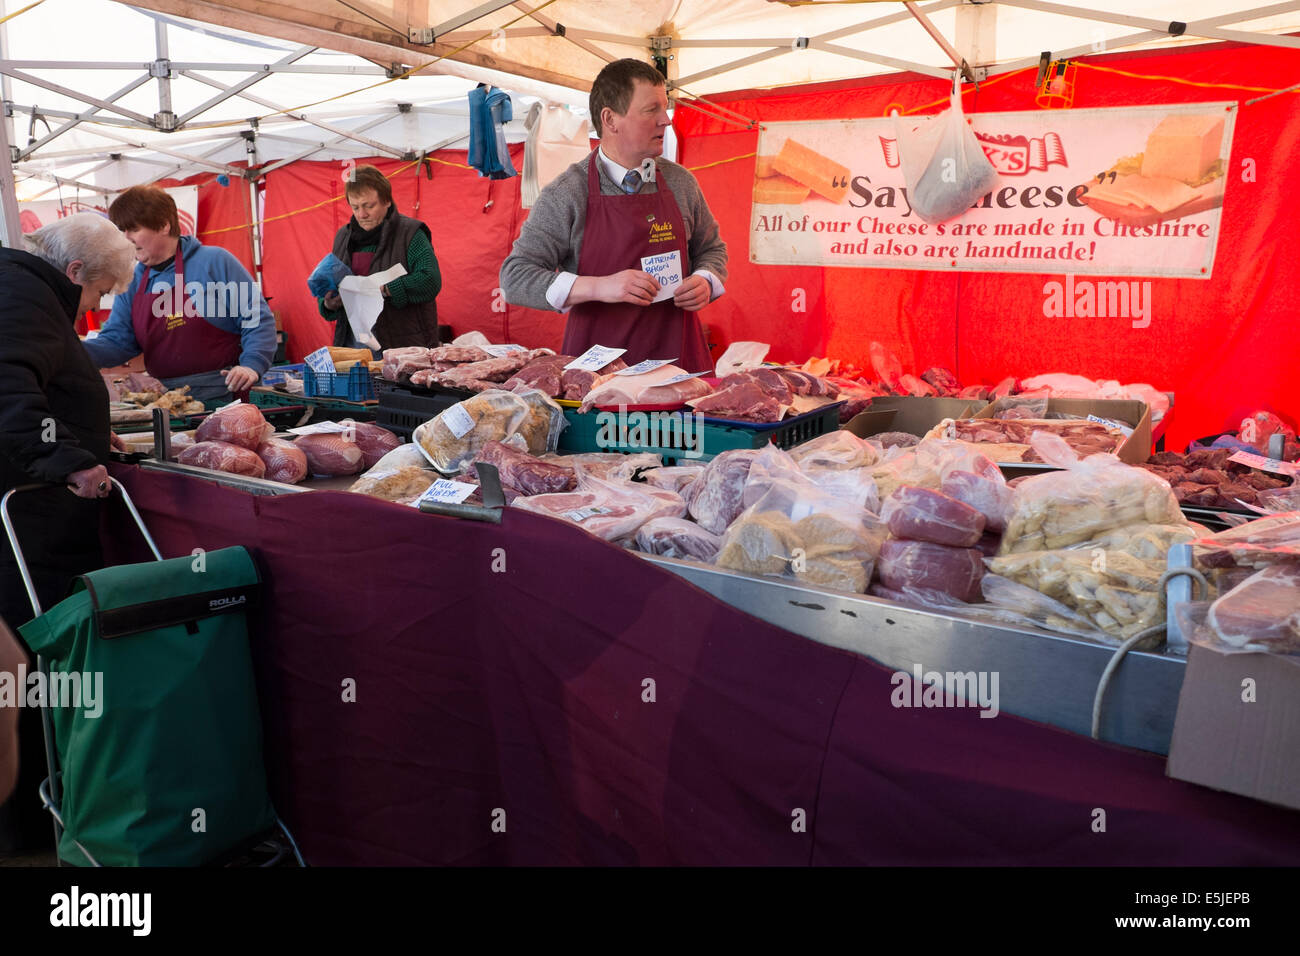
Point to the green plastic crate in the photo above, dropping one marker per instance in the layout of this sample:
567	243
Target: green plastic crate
268	398
678	436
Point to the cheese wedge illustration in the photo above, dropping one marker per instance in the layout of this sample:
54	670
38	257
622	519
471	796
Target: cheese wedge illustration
819	173
779	190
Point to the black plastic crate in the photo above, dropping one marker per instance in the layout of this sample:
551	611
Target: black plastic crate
402	412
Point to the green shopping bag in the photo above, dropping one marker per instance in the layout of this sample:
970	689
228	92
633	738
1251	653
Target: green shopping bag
162	760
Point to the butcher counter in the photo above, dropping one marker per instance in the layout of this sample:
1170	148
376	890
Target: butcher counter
624	709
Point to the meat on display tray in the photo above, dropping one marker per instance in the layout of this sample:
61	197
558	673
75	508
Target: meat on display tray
768	426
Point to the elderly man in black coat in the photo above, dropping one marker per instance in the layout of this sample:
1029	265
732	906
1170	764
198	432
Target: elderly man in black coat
54	430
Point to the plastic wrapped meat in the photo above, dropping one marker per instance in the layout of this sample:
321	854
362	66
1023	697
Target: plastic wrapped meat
990	496
920	514
458	354
1255	544
223	456
717	497
401	363
606	464
1261	613
648	388
743	400
545	374
458	433
805	383
524	473
837	449
241	425
283	461
607	509
375	442
476	375
921	564
677	538
542	425
677	478
577	382
330	455
402	485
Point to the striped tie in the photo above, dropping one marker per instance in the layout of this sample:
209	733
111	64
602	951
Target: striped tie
632	181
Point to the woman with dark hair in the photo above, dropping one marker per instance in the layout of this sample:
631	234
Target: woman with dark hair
54	429
377	238
193	310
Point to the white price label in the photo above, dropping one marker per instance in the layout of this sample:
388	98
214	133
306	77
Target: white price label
680	378
582	514
445	491
1265	464
595	358
237	401
320	361
649	365
320	428
458	421
501	351
666	269
1111	423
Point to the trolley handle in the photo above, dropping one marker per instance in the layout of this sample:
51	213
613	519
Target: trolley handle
12	534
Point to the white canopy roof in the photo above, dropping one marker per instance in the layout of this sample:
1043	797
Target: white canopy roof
106	94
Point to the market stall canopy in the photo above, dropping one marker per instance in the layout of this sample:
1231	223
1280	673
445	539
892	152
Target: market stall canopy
93	111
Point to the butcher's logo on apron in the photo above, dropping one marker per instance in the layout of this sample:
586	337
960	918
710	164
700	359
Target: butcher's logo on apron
662	232
175	321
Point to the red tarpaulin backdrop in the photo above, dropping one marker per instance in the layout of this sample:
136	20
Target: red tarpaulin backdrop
1224	346
474	222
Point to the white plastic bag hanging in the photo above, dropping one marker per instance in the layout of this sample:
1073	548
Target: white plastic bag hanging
944	165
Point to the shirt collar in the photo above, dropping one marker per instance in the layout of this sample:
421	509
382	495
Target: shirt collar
613	170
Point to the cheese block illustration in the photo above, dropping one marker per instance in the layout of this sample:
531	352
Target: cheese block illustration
763	167
1184	147
779	190
819	173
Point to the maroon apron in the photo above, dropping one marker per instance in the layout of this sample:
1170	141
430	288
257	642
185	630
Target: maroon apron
178	343
620	231
361	263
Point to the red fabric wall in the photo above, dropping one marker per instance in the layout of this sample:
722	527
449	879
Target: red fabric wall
1224	346
474	222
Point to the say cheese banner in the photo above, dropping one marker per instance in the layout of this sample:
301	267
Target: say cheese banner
1126	191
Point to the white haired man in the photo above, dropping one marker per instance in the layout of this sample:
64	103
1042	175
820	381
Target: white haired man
54	430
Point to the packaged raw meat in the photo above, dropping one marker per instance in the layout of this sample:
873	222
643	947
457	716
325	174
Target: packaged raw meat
740	357
545	374
401	363
943	380
458	433
717	498
926	464
798	532
606	509
542	425
606	464
920	514
405	456
374	441
742	398
896	439
458	354
1262	613
921	564
677	478
241	425
1091	496
223	456
889	369
837	449
577	382
801	382
1258	427
403	485
1036	608
283	461
477	376
331	455
648	388
853	486
677	538
523	472
1255	544
987	494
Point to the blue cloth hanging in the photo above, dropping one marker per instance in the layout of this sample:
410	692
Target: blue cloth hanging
489	110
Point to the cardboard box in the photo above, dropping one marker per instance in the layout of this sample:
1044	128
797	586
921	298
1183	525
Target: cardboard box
915	415
1225	742
1135	449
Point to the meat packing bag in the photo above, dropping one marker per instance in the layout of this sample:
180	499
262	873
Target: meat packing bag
943	163
1088	498
242	425
923	564
1262	613
223	456
795	531
283	461
611	510
677	538
920	514
523	472
458	433
837	449
374	441
1256	544
717	496
545	420
331	455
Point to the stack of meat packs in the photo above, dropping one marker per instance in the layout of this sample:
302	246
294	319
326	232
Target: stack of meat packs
239	440
471	368
1254	572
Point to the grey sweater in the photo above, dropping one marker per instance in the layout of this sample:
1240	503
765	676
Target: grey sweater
551	239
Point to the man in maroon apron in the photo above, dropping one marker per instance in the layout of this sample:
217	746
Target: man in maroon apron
611	231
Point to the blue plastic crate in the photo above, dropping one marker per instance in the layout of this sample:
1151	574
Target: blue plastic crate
278	374
356	385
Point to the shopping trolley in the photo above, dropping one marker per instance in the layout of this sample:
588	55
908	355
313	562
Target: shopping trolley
153	746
